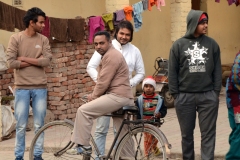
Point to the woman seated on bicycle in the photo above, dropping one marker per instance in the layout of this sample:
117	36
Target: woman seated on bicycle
150	106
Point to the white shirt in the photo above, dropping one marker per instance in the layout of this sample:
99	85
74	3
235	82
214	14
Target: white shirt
132	56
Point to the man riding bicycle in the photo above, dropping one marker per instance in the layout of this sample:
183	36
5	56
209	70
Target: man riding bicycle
111	92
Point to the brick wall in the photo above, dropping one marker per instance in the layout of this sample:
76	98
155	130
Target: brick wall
67	78
179	11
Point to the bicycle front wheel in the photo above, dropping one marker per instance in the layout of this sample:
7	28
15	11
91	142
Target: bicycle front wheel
56	139
146	144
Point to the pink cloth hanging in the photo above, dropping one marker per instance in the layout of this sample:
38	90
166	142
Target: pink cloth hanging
160	3
95	24
46	30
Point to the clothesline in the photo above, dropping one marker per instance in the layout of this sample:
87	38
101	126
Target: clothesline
63	30
112	19
73	29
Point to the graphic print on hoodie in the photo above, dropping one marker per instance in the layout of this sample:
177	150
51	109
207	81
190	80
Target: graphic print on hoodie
196	57
194	62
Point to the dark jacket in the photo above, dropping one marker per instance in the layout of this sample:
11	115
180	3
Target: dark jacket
194	63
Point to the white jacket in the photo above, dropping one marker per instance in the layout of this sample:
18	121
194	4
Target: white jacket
132	56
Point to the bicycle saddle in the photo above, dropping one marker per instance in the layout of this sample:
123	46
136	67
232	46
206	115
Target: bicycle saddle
133	109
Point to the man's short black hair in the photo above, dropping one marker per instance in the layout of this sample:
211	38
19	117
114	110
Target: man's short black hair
105	33
124	24
32	14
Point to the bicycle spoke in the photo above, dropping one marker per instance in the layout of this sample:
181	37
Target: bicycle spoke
57	136
138	144
147	145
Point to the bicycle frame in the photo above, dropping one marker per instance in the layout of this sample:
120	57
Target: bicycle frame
126	121
145	123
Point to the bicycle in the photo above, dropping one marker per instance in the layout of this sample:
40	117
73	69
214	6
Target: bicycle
136	129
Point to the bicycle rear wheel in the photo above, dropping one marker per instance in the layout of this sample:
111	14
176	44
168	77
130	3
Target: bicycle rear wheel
147	145
57	136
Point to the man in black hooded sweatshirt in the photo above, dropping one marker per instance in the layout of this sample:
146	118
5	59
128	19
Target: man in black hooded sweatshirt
195	83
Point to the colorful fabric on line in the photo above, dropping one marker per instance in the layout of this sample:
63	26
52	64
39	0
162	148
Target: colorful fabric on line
46	29
108	19
151	3
230	2
145	4
19	14
128	12
58	29
7	17
160	3
137	15
118	16
76	29
95	24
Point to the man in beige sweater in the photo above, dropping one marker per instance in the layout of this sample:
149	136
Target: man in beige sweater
28	53
112	92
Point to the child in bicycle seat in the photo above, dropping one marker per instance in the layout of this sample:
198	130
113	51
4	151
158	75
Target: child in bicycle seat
150	105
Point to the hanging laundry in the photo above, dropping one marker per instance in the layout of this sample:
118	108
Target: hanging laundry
58	29
108	19
237	2
7	17
145	4
230	2
95	24
46	29
151	3
160	3
137	15
76	29
128	12
19	14
118	16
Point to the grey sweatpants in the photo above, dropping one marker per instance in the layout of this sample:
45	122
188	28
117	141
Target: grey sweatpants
206	104
101	106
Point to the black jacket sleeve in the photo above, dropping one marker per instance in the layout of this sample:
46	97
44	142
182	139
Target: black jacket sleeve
173	69
163	110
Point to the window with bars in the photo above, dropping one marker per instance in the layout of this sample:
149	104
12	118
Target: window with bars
17	2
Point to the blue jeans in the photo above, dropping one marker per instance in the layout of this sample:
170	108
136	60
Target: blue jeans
102	127
21	107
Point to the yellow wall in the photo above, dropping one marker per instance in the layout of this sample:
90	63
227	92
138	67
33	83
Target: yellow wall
154	38
224	25
59	9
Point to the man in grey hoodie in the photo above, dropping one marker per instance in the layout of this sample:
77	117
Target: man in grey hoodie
195	83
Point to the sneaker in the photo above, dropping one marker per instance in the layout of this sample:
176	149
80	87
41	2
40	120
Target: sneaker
156	151
38	158
19	158
87	150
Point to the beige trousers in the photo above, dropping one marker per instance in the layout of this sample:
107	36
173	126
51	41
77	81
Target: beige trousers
101	106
